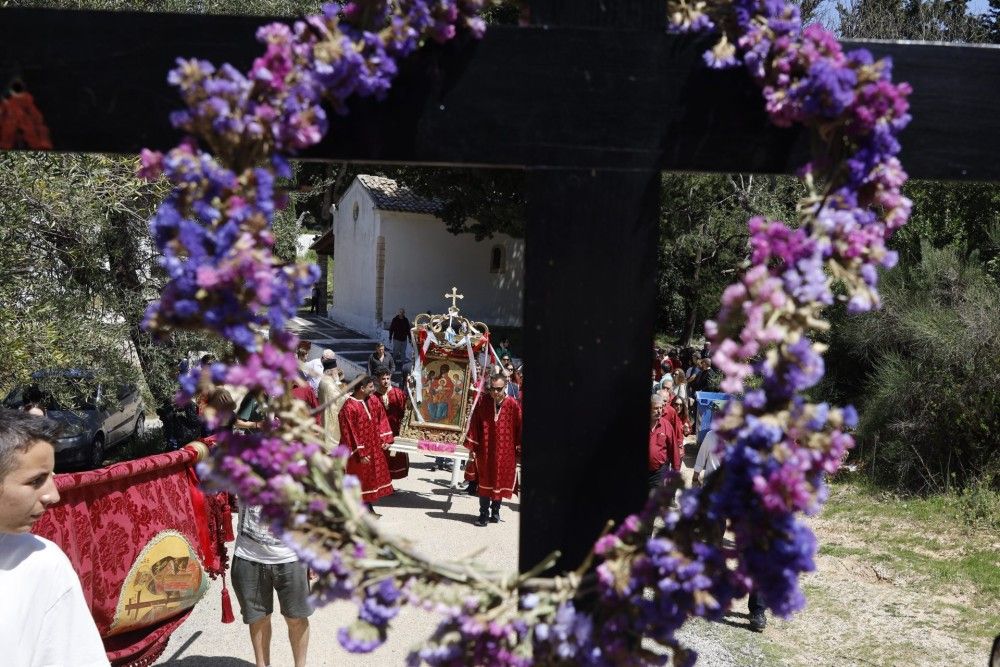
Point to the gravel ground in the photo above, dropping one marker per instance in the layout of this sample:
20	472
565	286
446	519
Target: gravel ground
723	644
438	519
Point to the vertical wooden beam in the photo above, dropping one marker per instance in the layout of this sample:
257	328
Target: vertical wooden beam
590	274
589	305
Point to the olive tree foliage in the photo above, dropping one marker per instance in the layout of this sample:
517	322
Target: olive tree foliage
78	270
78	267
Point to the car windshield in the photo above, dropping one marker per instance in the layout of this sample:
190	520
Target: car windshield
67	396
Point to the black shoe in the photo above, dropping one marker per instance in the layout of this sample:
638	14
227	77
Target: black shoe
495	517
481	521
758	621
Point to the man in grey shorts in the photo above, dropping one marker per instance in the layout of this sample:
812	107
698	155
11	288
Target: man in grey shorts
263	565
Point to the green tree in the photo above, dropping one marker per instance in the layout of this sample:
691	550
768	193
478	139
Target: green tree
925	20
965	216
703	240
78	267
79	270
991	22
917	367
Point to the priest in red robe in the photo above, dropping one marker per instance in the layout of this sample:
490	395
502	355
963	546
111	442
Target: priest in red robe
394	401
365	430
495	440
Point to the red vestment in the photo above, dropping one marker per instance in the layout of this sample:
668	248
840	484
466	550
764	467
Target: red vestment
675	436
495	438
364	428
394	402
307	395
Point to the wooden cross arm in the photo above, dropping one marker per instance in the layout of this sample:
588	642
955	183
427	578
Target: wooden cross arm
556	97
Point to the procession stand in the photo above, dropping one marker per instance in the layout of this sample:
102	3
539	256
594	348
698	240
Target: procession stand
450	370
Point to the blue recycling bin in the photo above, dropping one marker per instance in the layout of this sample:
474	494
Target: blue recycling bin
709	402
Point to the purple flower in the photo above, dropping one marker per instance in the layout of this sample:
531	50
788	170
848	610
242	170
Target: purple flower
213	232
828	90
360	637
380	604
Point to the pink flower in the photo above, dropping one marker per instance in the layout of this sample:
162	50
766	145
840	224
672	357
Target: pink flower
151	167
207	276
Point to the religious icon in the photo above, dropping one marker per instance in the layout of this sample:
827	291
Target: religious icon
443	393
165	580
453	352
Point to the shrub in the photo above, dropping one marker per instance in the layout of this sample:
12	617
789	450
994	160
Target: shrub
930	405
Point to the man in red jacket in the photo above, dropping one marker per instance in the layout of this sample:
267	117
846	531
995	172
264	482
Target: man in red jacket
660	435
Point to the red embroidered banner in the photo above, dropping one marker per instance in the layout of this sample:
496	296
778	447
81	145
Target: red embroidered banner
141	536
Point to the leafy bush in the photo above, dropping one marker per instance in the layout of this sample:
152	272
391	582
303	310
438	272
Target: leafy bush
980	506
151	442
930	405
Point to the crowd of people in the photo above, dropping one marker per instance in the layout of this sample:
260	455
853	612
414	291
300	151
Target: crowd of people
678	375
682	372
363	417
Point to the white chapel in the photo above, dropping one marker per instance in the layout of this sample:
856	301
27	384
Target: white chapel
391	251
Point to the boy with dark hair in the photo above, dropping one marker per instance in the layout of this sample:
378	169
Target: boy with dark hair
44	619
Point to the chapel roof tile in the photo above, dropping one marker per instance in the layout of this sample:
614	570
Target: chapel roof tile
390	196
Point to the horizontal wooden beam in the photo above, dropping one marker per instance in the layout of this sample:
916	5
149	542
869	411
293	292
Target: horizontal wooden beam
563	97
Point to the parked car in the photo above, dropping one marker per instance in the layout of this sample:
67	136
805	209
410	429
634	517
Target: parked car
93	420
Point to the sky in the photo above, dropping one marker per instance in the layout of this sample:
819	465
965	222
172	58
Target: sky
977	6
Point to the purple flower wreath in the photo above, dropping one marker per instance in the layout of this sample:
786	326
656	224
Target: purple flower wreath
661	566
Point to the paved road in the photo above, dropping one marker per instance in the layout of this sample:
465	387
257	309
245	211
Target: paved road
424	510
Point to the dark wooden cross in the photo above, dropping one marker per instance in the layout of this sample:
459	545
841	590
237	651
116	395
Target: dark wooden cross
594	100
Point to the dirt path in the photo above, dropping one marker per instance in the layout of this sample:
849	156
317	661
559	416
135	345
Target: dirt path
881	595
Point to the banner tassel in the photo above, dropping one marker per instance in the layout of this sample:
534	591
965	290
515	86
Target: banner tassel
227	603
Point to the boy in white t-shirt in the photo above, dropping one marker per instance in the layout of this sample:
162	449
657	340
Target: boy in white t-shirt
263	566
44	618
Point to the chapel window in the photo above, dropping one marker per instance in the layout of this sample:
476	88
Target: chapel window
496	259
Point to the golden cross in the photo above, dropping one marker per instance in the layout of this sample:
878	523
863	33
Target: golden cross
454	296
